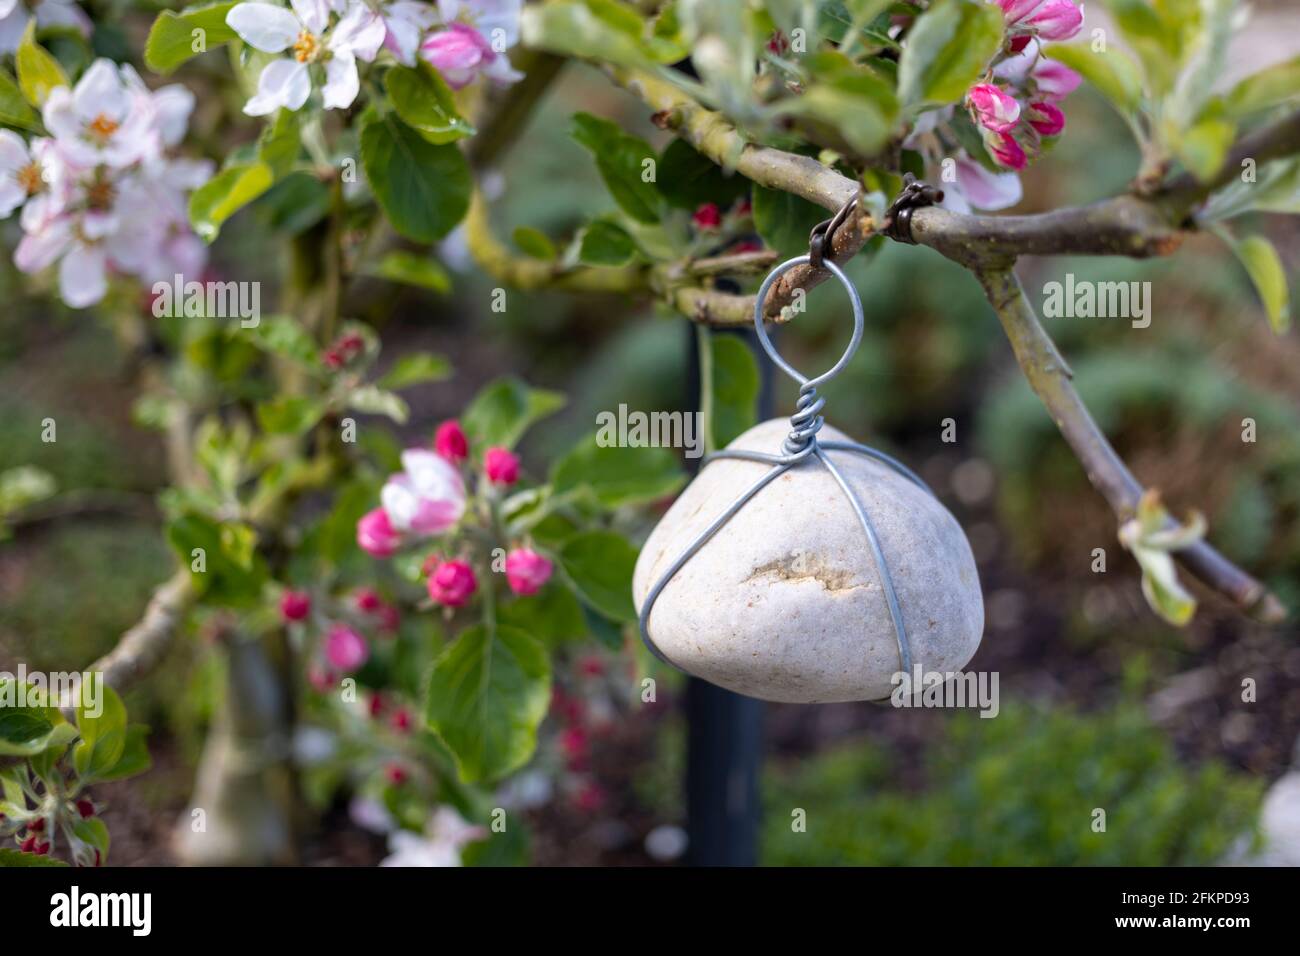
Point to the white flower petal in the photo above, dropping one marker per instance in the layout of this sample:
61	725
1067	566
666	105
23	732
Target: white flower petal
400	502
314	14
269	28
38	249
282	83
12	27
984	189
360	32
82	279
101	92
342	84
11	196
13	152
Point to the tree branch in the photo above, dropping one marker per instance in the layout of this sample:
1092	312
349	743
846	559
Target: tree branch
141	647
1049	377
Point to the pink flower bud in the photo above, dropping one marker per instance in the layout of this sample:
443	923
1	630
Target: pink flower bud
452	583
993	108
1046	118
450	442
375	534
85	808
346	649
527	571
322	679
1056	20
396	774
459	53
501	465
1019	43
368	599
1005	150
1055	80
401	720
1017	9
295	605
707	217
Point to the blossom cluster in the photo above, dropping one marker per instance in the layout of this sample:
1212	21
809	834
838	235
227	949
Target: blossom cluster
103	195
323	40
1016	110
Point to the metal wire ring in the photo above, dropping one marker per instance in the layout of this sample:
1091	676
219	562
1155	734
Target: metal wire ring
761	298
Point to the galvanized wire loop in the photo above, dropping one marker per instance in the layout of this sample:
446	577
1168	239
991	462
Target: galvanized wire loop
800	448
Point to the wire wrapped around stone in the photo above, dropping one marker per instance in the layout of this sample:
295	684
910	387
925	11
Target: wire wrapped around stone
799	446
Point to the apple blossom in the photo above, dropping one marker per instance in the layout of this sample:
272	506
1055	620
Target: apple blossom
22	175
1046	118
405	22
450	442
100	121
977	188
427	497
452	583
1054	80
527	571
707	217
346	649
1017	10
501	466
287	83
295	605
375	534
1056	19
1005	150
474	41
992	108
16	14
446	834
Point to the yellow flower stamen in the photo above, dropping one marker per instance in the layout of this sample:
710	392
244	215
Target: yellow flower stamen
101	127
307	48
30	178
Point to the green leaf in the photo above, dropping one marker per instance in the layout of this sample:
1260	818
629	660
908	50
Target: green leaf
284	336
576	30
534	243
506	408
1204	146
38	71
416	369
606	243
280	144
16	858
729	385
230	571
784	220
225	194
412	268
1266	272
424	188
1274	188
1266	89
688	179
14	109
600	564
289	414
23	486
135	755
1113	72
616	476
172	38
948	48
103	735
374	400
94	831
624	162
553	615
425	103
1156	37
29	729
487	695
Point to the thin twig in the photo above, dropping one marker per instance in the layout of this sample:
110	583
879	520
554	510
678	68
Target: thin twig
1049	377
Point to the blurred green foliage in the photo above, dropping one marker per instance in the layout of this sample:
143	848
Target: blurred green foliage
1019	789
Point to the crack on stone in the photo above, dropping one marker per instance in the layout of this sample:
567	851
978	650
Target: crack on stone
831	579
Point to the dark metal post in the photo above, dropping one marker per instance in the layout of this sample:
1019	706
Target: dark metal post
724	730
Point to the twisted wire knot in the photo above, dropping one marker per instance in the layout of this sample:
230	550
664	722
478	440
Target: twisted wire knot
805	423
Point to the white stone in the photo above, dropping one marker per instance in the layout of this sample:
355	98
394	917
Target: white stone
784	602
